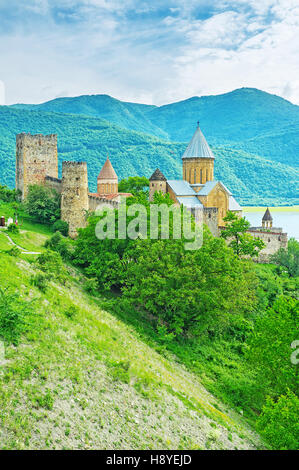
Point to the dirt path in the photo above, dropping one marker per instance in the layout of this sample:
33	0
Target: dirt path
23	251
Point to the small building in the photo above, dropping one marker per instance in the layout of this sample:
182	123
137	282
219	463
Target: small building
273	237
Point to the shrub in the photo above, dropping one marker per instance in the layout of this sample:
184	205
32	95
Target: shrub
40	281
278	422
91	286
13	228
14	251
71	312
50	262
61	226
13	316
43	203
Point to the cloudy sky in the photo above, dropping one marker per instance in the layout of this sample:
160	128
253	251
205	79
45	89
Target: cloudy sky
153	51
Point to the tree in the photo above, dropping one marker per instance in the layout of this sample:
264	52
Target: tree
288	258
270	347
241	242
278	422
134	184
43	203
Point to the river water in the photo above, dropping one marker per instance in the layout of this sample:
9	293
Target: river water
288	220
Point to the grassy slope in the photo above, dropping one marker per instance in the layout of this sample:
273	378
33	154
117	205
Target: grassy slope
91	382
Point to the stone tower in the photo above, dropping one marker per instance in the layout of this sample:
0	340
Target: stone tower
36	158
74	195
107	182
198	160
267	219
157	183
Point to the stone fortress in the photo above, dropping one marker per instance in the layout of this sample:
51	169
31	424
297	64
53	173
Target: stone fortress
37	163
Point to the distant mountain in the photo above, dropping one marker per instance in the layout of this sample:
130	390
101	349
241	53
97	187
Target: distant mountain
247	119
253	179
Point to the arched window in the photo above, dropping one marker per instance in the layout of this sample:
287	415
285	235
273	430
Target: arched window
190	175
194	175
200	176
207	175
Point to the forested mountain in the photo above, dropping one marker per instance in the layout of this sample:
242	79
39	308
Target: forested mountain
254	136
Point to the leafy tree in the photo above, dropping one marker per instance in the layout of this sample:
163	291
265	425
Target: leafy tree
241	242
43	203
288	258
270	347
133	184
278	422
9	195
61	226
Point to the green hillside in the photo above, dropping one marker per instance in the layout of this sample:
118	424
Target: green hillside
79	377
250	177
247	118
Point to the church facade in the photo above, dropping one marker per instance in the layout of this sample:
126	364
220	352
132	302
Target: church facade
198	189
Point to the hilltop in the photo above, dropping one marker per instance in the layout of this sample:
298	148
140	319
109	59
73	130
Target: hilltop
249	176
81	377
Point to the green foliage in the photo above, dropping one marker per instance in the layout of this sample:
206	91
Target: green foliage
278	422
288	258
270	347
120	371
51	263
61	226
133	184
71	312
14	251
13	316
43	203
13	228
63	246
91	286
241	242
9	195
249	143
40	280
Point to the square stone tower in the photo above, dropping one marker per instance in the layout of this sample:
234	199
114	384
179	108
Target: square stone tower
36	158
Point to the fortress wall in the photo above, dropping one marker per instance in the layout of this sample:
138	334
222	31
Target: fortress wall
97	202
210	218
54	183
74	195
273	239
36	157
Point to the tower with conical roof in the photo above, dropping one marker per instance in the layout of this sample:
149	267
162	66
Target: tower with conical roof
198	160
267	219
157	182
107	182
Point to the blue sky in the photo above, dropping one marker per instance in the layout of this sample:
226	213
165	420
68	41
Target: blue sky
153	51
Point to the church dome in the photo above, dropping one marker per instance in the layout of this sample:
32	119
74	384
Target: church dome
267	216
198	146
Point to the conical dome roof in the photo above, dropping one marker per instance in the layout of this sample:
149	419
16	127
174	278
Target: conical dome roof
198	146
267	216
157	176
107	172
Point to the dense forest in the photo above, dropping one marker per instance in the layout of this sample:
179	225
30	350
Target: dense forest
254	136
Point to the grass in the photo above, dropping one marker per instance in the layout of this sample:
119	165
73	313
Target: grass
89	380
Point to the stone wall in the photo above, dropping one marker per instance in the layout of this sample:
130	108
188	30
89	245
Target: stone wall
96	202
36	157
274	239
74	195
210	218
198	170
54	183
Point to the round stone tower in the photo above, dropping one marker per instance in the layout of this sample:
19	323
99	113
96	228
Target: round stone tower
74	195
198	160
157	182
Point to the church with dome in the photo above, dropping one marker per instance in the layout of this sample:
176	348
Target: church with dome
198	189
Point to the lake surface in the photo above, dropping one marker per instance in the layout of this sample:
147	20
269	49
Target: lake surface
287	219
